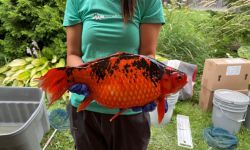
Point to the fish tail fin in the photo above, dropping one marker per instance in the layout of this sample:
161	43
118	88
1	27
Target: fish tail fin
55	83
161	109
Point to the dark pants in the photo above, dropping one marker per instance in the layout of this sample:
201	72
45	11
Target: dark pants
94	131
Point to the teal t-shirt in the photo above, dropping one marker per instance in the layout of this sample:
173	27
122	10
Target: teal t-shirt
104	32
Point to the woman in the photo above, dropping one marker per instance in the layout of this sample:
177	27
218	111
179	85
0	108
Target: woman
98	28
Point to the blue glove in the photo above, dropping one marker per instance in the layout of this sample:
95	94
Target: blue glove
80	89
148	107
166	106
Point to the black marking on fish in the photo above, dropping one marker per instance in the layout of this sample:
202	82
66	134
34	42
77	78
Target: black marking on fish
126	67
69	72
103	67
152	70
107	66
99	69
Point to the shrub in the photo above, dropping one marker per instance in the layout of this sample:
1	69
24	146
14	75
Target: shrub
25	20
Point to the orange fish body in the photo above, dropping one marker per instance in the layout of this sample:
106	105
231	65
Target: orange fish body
121	80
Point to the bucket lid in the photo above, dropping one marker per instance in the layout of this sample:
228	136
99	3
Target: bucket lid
230	96
228	107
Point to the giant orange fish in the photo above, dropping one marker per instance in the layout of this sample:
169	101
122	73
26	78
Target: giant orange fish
121	80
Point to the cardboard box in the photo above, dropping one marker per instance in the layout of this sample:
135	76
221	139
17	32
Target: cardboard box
226	73
206	98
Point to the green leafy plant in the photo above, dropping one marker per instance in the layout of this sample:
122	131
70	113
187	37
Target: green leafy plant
244	52
24	71
25	20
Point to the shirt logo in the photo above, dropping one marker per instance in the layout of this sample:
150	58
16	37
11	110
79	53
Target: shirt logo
97	16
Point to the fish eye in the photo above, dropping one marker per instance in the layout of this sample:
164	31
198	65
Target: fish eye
179	78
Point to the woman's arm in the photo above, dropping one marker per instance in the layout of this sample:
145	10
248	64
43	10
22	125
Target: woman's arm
149	38
74	54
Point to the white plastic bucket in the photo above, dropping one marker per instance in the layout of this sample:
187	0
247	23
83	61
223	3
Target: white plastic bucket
229	109
247	122
172	100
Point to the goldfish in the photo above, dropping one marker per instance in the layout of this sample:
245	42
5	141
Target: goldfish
121	80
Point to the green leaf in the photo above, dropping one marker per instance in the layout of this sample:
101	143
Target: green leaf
4	69
17	63
23	76
61	63
244	52
54	59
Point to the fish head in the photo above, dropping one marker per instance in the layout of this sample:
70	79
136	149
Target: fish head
172	81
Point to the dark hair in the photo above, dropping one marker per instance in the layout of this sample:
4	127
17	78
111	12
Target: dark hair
128	8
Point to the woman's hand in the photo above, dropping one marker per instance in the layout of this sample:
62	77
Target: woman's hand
149	107
80	89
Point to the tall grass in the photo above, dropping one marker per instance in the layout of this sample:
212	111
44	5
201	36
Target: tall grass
180	38
192	36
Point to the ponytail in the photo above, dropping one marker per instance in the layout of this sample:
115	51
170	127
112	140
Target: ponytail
128	9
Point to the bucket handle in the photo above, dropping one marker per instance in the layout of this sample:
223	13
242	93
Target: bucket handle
240	120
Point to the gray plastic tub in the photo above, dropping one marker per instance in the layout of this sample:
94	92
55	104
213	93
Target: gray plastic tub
23	118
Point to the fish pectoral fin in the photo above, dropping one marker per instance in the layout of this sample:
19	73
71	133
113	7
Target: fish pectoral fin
117	114
85	103
161	109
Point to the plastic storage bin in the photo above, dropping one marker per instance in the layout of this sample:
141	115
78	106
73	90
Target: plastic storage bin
23	118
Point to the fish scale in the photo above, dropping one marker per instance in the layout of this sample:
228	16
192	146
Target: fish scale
121	81
113	90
